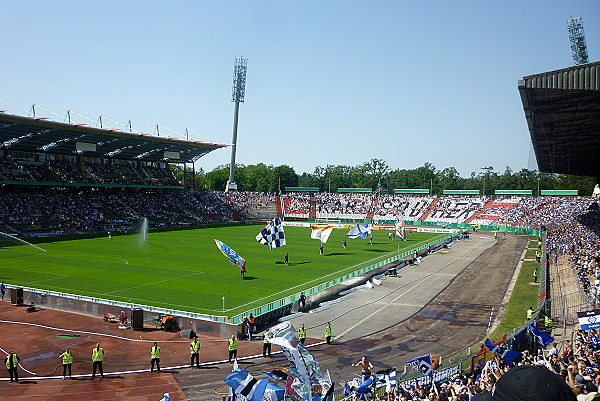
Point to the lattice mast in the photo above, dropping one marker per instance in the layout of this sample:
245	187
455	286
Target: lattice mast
239	91
577	38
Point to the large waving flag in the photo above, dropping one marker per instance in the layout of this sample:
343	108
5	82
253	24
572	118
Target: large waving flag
272	235
233	257
360	231
423	364
245	385
543	339
401	229
507	355
304	368
321	232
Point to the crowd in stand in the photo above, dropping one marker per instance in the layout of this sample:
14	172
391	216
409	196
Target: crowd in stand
65	171
296	204
393	206
456	209
51	211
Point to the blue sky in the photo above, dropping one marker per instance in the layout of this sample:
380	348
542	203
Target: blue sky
338	82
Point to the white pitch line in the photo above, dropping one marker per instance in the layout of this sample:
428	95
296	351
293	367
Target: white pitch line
153	283
328	275
48	279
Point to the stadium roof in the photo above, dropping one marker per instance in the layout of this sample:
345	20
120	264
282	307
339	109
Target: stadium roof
562	108
39	134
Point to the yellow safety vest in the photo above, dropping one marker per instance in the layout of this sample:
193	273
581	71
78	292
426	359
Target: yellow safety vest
232	344
547	321
529	313
328	331
194	347
266	340
155	352
67	358
301	333
97	354
14	361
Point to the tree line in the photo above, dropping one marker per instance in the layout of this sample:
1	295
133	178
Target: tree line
379	176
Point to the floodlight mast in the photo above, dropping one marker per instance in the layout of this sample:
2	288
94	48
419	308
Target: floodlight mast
237	97
577	38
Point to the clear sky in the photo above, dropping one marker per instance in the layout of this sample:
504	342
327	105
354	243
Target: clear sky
329	82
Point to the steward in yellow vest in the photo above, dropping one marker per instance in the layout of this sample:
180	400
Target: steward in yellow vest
155	358
328	333
266	346
97	357
195	353
67	360
232	347
12	362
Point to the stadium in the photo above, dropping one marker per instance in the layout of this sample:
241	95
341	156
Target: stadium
106	239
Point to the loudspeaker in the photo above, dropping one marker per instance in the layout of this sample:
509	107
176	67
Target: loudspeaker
16	296
137	319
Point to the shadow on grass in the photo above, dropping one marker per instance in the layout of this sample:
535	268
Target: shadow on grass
250	278
292	264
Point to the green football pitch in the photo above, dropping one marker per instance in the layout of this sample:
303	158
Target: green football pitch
185	270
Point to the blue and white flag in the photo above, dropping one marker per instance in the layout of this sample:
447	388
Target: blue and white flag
360	231
401	229
233	257
543	339
507	355
386	378
364	389
245	385
423	364
272	235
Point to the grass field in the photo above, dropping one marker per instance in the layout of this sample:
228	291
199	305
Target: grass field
185	270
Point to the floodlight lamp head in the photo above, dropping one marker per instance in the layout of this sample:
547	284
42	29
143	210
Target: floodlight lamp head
239	80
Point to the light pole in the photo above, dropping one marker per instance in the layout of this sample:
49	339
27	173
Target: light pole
223	298
240	67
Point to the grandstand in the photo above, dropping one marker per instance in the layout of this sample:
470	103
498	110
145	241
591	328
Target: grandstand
54	182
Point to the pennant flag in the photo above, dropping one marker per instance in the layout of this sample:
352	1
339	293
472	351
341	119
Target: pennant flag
423	364
360	231
543	339
245	385
401	229
321	232
507	355
272	235
233	257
